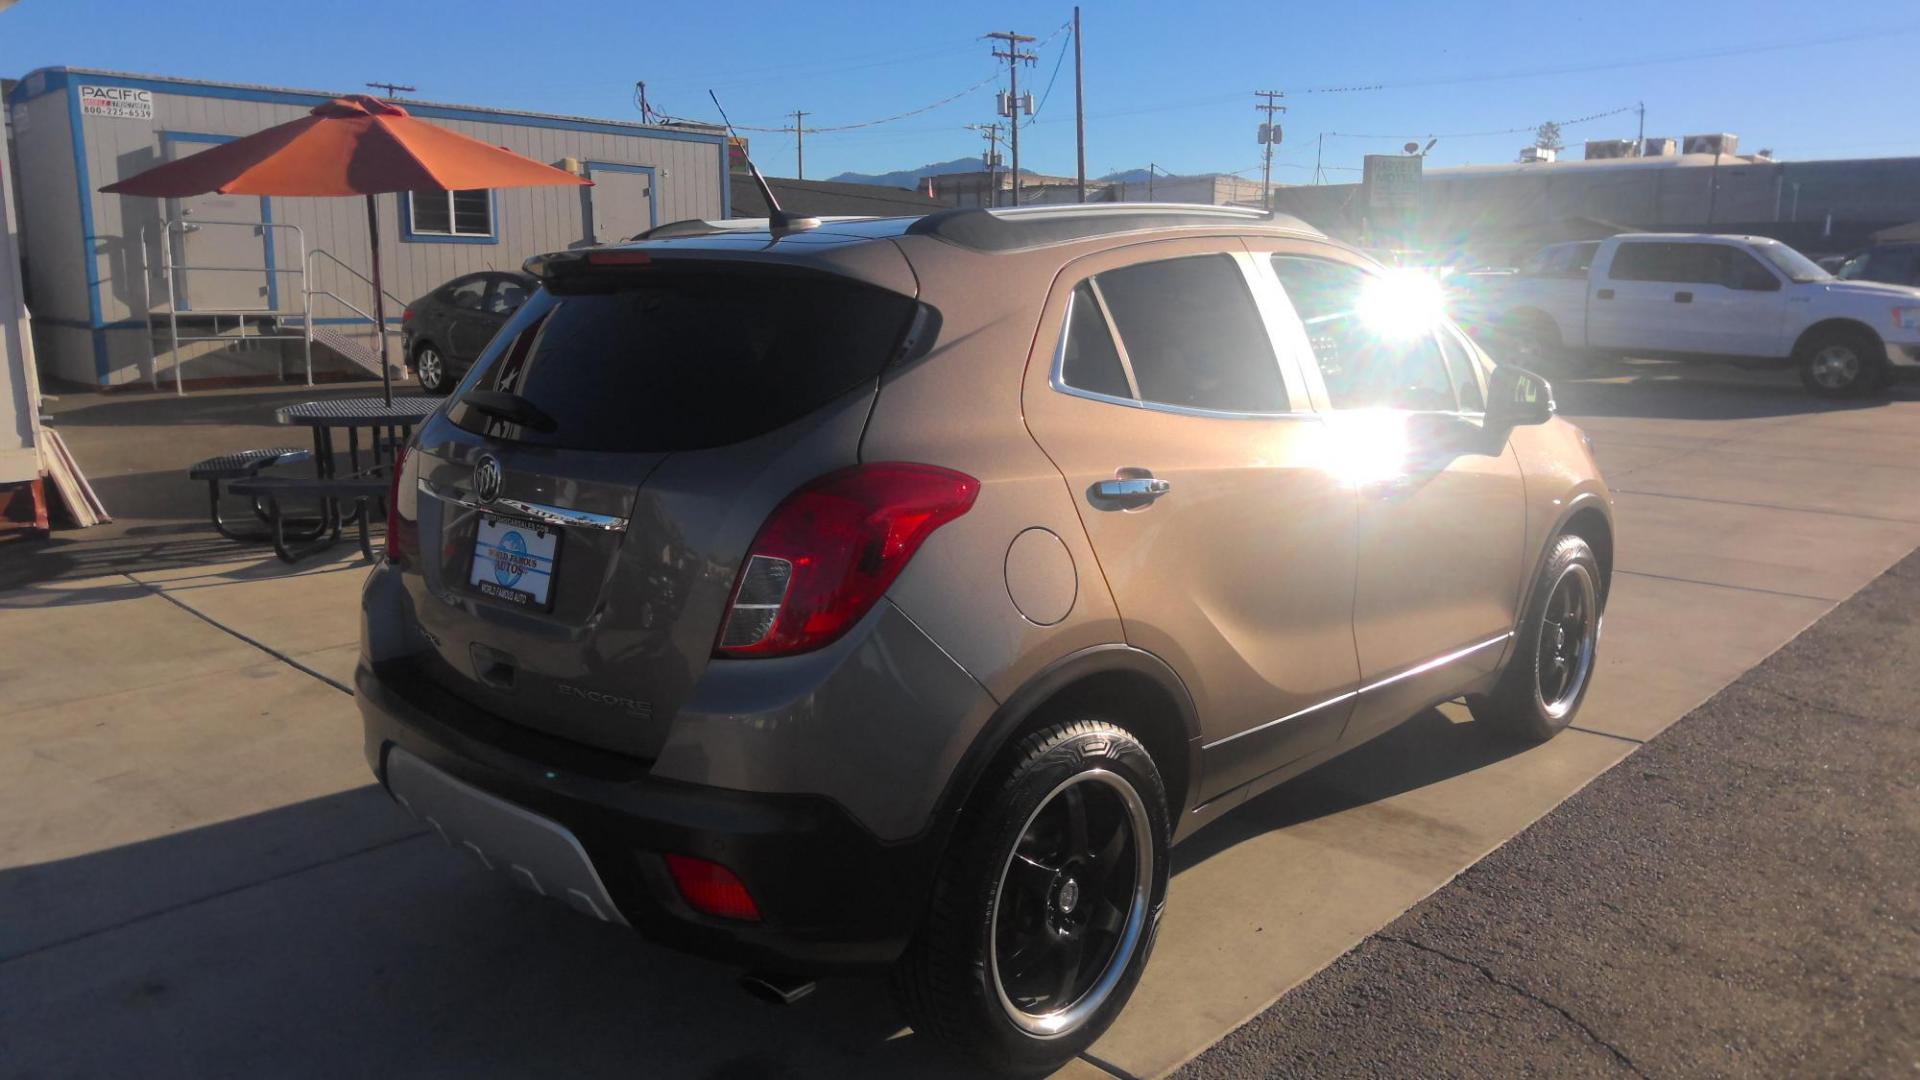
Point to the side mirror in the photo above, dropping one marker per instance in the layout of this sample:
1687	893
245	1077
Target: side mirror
1517	397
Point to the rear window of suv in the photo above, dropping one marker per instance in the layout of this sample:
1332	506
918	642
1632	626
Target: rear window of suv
667	358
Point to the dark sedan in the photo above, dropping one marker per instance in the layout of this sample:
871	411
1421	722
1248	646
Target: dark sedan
1894	263
445	330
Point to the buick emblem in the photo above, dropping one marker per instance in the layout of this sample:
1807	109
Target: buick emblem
486	478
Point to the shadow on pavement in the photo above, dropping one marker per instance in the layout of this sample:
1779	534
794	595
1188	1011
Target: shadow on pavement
331	937
1425	750
1672	391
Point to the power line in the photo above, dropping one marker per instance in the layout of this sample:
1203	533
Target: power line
1482	134
948	100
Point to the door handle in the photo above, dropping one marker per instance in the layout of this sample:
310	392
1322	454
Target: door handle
1131	491
1683	298
1603	294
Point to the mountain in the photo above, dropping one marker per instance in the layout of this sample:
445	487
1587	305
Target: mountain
908	178
1126	176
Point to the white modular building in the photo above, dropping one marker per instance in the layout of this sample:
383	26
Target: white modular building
128	288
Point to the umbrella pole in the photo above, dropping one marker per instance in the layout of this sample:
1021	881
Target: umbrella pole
379	300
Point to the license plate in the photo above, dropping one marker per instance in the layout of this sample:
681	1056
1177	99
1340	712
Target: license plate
513	562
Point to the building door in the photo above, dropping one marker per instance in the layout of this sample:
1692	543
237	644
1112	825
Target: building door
221	246
622	201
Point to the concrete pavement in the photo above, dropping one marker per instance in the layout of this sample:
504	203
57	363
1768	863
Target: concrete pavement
1743	899
196	876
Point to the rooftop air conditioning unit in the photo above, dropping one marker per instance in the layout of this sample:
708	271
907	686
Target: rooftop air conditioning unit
1657	148
1533	155
1609	148
1710	144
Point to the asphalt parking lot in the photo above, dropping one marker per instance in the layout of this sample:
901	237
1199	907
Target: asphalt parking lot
197	878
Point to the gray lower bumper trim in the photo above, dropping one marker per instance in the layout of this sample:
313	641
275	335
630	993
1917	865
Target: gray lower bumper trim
538	854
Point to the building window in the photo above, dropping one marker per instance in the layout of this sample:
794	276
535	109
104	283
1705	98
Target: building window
450	213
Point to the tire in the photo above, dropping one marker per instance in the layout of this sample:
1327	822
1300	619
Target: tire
992	974
1842	363
431	369
1553	658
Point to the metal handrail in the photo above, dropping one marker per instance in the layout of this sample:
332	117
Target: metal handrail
335	260
343	302
168	266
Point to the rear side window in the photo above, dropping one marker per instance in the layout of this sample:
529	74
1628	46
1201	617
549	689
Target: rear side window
668	358
1193	336
1466	377
1651	262
1088	360
468	293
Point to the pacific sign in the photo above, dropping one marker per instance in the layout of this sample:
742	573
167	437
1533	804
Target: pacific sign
117	102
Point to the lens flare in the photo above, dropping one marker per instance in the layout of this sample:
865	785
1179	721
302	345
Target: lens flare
1400	303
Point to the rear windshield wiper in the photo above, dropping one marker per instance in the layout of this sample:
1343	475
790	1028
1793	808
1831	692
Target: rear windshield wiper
510	407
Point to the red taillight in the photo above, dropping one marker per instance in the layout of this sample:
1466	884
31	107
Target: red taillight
403	533
712	889
831	549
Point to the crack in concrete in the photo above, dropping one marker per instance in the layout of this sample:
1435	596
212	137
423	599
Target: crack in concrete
1488	974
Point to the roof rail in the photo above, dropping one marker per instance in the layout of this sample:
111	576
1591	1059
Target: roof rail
1014	228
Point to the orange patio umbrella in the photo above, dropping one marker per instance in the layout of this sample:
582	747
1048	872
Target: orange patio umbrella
355	145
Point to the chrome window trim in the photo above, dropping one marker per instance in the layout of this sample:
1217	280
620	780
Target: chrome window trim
544	513
1418	669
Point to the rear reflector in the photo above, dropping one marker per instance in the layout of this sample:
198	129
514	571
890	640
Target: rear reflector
712	889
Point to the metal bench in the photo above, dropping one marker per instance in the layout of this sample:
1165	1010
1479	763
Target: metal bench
245	465
362	490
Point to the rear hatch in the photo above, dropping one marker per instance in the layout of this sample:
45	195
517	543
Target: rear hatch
575	560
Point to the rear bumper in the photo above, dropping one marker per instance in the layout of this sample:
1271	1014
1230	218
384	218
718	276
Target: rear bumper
832	896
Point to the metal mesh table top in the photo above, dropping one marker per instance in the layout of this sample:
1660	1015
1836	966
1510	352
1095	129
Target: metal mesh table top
359	412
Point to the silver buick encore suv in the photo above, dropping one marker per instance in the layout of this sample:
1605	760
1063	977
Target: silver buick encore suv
896	592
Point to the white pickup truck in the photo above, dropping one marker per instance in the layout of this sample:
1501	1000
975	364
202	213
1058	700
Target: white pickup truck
1742	299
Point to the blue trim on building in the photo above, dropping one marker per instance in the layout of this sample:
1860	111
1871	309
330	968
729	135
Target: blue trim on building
408	236
653	189
92	265
266	213
60	77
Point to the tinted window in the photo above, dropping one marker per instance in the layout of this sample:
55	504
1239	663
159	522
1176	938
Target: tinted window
684	358
1465	372
1650	262
1580	258
507	296
466	292
1371	361
1088	360
1544	262
1193	336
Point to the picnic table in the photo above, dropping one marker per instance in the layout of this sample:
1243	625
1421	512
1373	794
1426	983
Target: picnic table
389	426
334	483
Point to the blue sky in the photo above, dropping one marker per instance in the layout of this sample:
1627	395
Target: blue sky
1168	83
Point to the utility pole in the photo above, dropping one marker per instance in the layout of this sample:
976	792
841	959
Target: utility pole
1640	141
991	133
1150	167
1013	105
391	88
1079	111
640	92
1319	145
799	145
1269	134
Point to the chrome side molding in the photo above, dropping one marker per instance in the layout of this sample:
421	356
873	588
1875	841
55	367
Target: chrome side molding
1418	669
544	513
